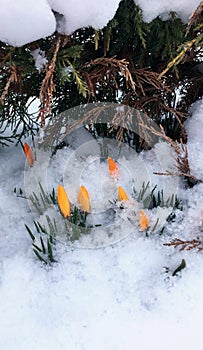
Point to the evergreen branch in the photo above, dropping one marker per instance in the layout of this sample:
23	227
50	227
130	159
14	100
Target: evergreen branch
13	78
82	87
186	245
180	56
107	35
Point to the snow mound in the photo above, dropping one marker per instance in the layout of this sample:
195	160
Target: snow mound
107	298
24	21
80	14
153	8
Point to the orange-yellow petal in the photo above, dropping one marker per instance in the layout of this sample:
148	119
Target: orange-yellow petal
29	155
84	199
113	168
63	201
122	196
143	220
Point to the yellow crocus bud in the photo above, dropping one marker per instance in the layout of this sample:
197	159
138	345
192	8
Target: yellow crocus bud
83	199
143	220
113	168
29	154
122	196
63	201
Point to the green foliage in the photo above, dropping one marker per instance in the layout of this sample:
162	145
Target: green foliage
129	31
180	267
154	200
45	200
163	40
43	245
104	152
67	70
42	201
79	226
78	217
127	36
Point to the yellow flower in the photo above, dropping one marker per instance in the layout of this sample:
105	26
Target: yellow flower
143	220
29	155
63	201
122	196
83	199
113	168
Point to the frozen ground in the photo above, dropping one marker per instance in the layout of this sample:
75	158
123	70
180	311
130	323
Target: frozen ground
112	298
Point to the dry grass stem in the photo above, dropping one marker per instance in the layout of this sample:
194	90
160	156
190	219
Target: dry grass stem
48	87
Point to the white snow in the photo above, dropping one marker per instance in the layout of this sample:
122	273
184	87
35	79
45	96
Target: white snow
114	298
39	58
194	127
24	21
80	13
153	8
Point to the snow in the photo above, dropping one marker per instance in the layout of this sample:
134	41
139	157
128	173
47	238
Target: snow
153	8
39	58
194	128
22	21
80	14
117	297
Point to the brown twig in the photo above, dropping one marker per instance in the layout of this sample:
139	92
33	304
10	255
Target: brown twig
180	150
196	17
105	70
169	173
186	245
48	87
181	158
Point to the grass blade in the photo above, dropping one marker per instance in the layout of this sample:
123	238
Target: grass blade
30	233
39	256
43	246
